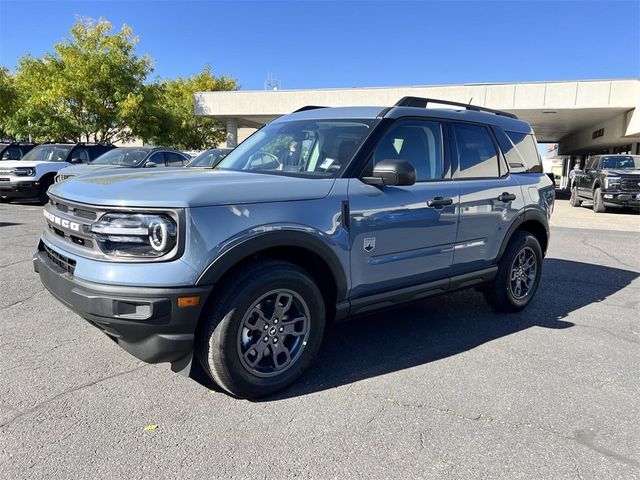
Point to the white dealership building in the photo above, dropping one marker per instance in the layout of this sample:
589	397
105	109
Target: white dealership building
582	117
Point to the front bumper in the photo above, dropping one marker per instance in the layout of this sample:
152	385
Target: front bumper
146	322
617	198
20	189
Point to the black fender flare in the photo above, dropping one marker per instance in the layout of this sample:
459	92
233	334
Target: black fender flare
284	238
525	216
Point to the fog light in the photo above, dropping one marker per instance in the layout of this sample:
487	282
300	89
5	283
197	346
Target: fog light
188	301
608	195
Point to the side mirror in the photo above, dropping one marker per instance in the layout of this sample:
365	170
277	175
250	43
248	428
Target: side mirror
75	160
150	165
392	172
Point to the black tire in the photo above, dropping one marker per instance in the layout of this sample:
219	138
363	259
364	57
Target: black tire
598	206
219	341
500	293
575	200
5	199
43	198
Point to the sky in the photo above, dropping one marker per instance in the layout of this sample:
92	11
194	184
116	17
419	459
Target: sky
328	44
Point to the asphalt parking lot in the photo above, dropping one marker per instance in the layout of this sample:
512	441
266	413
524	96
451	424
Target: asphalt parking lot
443	388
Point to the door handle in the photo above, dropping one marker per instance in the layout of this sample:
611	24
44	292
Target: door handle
439	202
507	197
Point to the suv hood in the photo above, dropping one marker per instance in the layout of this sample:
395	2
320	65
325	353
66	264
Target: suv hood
187	187
85	168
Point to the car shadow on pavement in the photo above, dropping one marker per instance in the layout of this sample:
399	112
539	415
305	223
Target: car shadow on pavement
444	326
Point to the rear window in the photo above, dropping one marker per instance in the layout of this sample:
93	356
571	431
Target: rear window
477	156
521	151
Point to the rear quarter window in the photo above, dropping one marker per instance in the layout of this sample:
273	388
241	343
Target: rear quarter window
521	151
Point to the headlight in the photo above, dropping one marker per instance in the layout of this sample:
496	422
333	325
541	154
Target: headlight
25	172
612	182
135	234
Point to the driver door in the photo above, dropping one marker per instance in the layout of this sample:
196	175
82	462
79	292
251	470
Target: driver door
398	235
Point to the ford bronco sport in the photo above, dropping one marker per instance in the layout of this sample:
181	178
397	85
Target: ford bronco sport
322	214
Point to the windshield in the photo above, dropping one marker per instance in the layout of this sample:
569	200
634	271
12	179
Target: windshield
126	157
48	153
314	148
621	161
209	158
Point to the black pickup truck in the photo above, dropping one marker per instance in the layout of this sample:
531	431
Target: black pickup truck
608	181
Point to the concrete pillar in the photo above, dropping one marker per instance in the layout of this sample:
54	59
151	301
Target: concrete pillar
232	132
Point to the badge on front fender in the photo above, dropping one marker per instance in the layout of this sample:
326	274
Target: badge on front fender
369	244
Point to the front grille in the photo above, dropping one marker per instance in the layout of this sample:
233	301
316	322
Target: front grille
60	178
630	183
60	260
76	212
4	179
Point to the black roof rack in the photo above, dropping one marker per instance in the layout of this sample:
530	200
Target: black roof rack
307	107
420	102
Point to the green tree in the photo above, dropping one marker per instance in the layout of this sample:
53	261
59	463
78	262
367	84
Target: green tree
8	100
182	129
91	88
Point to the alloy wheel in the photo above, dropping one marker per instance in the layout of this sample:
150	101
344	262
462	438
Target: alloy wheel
523	273
273	333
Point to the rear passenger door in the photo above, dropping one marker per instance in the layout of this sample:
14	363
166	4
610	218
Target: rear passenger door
490	198
404	235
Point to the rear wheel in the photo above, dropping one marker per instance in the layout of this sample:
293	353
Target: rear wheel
518	275
574	200
598	205
262	330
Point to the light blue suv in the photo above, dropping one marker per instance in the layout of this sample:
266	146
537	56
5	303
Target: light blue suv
323	214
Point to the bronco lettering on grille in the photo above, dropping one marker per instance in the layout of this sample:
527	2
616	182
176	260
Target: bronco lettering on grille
62	222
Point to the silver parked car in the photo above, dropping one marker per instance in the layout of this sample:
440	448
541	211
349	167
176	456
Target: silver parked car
128	157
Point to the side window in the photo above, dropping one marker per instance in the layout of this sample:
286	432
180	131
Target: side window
477	155
96	152
526	145
174	159
158	159
80	153
512	155
416	141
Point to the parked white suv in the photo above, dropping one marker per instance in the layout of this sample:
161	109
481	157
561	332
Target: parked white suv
33	174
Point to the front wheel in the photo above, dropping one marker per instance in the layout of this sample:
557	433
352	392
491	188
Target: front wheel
262	330
43	198
518	277
598	205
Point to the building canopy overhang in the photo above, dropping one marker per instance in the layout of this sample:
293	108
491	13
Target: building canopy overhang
573	112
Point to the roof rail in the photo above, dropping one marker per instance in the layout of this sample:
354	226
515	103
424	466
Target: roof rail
307	107
420	102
